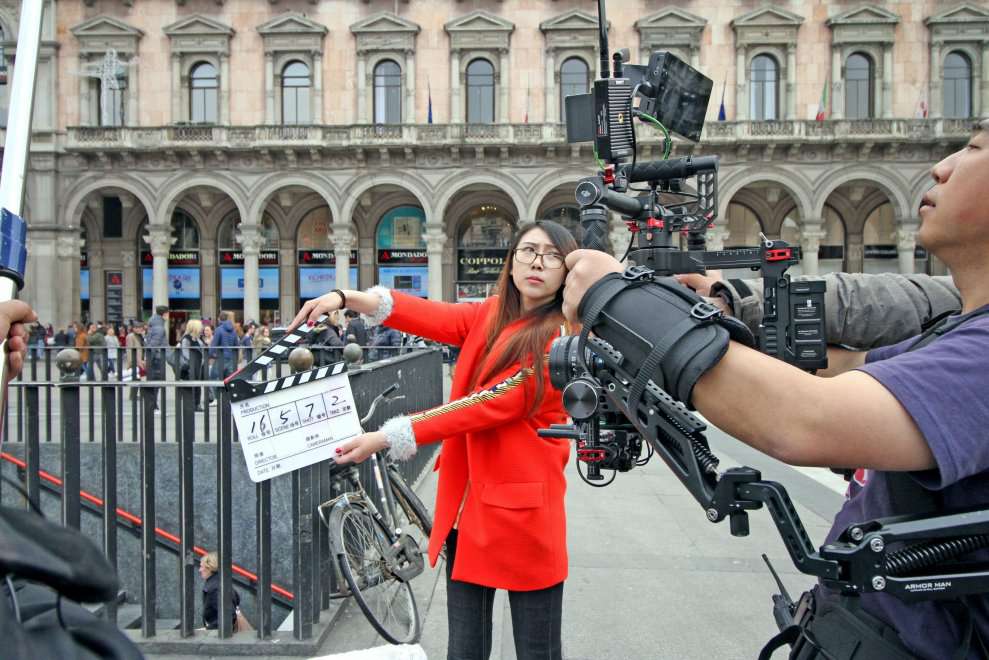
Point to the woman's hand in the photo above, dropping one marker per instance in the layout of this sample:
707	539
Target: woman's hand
313	309
13	315
360	448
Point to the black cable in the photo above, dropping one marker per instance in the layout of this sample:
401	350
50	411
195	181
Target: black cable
13	599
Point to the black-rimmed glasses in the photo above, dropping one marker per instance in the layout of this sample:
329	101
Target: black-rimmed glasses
527	255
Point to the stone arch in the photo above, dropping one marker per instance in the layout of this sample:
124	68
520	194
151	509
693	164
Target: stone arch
456	212
183	183
549	184
272	183
762	209
9	23
454	185
301	210
367	224
794	184
352	192
76	197
918	188
890	183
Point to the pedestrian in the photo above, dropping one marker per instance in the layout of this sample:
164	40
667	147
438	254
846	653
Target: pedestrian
155	347
385	341
500	498
112	349
247	342
81	343
356	330
223	350
262	340
192	352
61	339
209	566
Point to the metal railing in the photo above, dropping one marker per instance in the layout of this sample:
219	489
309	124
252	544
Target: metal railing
173	478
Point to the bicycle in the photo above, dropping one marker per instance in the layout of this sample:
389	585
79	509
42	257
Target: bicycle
379	549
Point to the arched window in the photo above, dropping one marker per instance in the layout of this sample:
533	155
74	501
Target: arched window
859	83
957	85
482	242
296	86
387	93
480	92
574	79
764	88
567	215
203	86
185	230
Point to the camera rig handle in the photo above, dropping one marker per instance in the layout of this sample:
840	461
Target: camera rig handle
866	557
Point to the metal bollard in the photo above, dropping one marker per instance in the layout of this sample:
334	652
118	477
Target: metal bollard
305	586
69	364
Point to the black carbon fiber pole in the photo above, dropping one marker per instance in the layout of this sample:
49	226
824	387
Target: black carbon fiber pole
594	227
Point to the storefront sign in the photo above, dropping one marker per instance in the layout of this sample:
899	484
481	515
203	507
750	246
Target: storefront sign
413	280
479	265
114	296
178	258
84	284
322	257
314	282
232	283
236	258
391	256
890	252
183	283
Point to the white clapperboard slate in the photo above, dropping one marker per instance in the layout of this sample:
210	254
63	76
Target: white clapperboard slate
294	421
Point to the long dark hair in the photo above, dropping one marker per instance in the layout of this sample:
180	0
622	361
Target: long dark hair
528	343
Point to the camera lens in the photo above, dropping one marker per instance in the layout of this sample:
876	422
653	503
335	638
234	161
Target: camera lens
563	361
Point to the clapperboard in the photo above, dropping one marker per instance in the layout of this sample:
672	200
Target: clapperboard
294	421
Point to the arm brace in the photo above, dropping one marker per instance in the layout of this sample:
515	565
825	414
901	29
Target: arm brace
665	332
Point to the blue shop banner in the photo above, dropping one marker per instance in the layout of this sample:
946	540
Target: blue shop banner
84	284
413	280
314	282
183	283
232	283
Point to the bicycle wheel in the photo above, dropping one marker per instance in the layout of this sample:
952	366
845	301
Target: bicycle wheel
387	602
409	504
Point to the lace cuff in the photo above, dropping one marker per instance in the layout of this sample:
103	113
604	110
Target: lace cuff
400	437
384	306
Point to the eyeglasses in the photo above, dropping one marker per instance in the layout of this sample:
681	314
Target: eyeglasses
527	255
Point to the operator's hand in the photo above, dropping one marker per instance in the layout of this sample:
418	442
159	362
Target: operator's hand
585	268
13	315
702	285
360	448
313	309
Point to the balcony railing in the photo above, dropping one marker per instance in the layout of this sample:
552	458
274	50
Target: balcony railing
103	138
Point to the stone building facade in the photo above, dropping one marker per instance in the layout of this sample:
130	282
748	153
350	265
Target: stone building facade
247	155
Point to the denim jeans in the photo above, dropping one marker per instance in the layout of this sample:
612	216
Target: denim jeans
536	617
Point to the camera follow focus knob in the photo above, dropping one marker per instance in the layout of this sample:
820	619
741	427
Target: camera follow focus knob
581	397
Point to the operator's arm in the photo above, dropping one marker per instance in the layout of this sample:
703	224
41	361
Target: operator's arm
862	310
847	421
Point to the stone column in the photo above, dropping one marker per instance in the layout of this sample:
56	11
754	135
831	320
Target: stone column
741	98
936	103
837	86
810	242
224	114
269	88
983	108
409	116
177	91
855	253
362	88
317	87
65	306
250	239
887	88
791	81
288	301
84	82
552	112
906	243
456	107
160	238
435	242
133	87
343	242
504	82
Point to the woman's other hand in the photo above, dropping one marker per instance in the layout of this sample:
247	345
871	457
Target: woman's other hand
360	448
313	309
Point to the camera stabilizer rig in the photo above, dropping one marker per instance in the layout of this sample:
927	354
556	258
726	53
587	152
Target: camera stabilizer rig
911	557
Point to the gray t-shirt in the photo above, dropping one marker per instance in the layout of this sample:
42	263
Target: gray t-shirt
944	386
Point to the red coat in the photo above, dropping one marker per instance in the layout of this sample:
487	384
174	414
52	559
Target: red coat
512	531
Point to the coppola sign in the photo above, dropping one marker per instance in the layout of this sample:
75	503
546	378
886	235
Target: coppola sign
479	265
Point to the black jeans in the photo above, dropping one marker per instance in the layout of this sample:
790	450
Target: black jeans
536	617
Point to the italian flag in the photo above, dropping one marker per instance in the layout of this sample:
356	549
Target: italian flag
823	105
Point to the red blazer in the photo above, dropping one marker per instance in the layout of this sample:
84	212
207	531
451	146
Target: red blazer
512	531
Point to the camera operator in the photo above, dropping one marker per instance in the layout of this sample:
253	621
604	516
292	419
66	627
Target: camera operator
914	414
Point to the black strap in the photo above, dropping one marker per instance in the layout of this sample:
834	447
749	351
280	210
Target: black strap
650	367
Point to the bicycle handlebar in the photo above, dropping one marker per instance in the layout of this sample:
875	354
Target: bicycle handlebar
378	399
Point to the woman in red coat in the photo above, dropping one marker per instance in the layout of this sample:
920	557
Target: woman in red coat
499	504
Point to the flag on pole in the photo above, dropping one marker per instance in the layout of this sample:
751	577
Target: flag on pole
722	115
527	89
922	105
822	107
429	104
